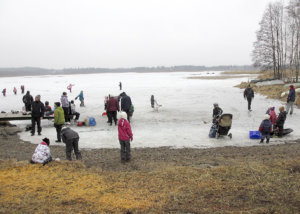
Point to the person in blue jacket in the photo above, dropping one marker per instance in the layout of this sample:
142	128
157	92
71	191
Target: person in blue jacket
265	129
81	99
290	100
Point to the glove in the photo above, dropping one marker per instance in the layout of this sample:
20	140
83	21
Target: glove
131	138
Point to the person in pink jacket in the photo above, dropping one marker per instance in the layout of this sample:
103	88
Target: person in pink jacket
273	116
125	136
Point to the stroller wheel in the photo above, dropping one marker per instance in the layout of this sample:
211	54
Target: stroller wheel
230	135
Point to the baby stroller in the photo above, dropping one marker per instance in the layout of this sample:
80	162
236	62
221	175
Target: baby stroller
223	125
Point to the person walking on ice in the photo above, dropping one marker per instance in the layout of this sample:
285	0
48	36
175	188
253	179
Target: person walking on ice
154	103
71	139
27	100
125	136
120	85
15	90
81	98
4	92
290	100
112	108
70	87
22	89
249	95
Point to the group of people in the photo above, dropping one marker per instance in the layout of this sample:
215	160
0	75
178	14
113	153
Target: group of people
14	90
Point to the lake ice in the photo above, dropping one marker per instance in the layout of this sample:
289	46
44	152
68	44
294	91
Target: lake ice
183	120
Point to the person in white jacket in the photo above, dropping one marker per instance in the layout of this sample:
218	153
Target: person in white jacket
42	153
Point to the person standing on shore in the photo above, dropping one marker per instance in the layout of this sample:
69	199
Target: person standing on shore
65	105
125	136
37	114
4	92
71	139
59	120
249	95
290	100
27	100
15	91
112	108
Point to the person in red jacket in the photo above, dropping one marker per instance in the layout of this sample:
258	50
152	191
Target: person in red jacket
273	116
112	108
125	136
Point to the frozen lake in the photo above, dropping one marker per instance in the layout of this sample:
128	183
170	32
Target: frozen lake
183	121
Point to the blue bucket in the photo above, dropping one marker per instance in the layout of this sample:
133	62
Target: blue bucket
92	121
254	135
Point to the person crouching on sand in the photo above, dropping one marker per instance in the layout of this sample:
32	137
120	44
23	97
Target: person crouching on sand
71	139
125	136
42	153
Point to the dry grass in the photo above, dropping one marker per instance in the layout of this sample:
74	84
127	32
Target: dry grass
242	72
68	187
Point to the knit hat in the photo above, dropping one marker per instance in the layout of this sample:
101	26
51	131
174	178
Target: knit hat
291	86
46	140
216	104
267	117
123	115
272	108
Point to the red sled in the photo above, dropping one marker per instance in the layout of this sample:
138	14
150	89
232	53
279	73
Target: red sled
104	114
80	124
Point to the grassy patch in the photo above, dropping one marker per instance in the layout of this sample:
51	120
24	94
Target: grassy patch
68	187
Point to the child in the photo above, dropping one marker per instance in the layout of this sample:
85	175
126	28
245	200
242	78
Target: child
280	121
125	136
73	110
81	98
273	116
15	91
4	92
71	139
217	112
265	129
42	153
48	109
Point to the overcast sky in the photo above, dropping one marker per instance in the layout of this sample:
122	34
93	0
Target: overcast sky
127	33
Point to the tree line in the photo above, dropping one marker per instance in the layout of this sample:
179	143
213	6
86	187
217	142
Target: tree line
277	45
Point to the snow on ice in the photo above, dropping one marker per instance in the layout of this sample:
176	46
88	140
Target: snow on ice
183	120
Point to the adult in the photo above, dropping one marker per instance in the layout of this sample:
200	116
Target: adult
22	89
112	108
42	153
4	92
280	121
27	100
120	85
290	100
126	104
59	120
37	114
125	136
249	95
81	98
71	139
65	105
217	112
15	90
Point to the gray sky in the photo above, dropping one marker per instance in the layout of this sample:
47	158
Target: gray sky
127	33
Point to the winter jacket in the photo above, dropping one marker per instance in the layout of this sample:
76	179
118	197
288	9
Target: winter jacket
249	93
273	117
291	96
125	103
64	101
68	134
41	153
48	108
80	96
73	109
27	99
113	104
125	133
59	116
37	109
265	126
281	118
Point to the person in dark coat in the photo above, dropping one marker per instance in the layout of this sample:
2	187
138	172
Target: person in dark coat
265	129
37	114
27	100
22	89
290	100
217	112
120	85
126	104
112	108
249	95
4	92
71	139
280	121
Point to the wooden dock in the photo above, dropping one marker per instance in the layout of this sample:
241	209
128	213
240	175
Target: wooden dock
19	116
